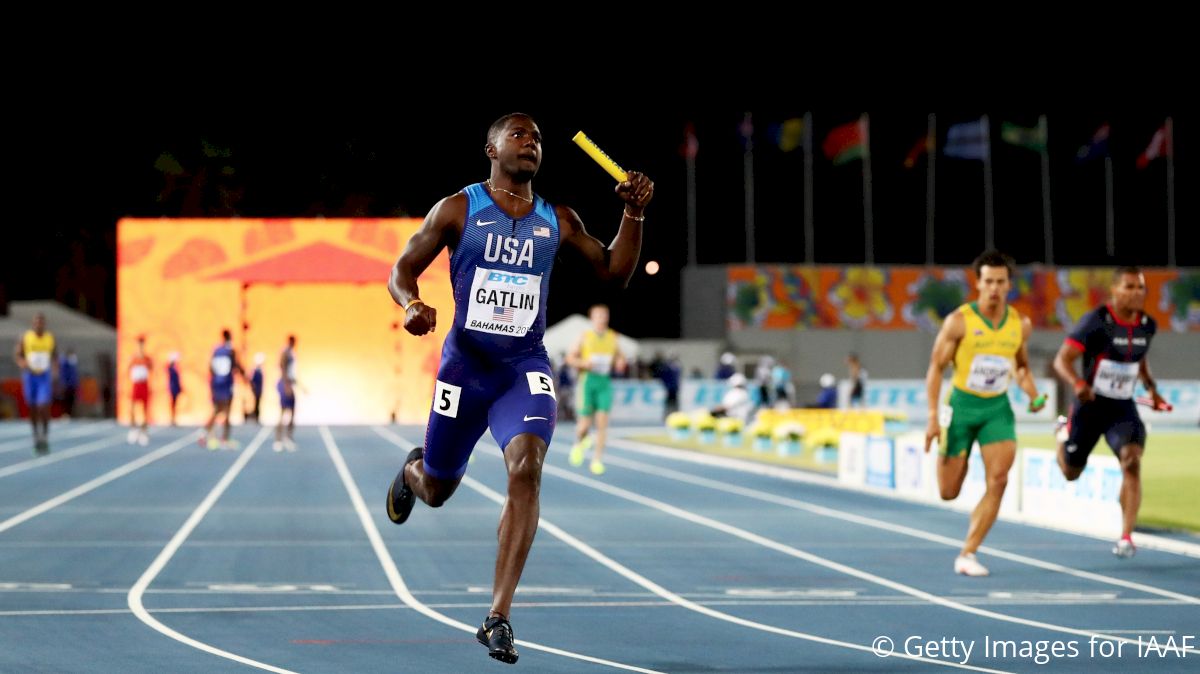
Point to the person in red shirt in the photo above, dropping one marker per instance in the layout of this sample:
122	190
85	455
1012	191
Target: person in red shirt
139	374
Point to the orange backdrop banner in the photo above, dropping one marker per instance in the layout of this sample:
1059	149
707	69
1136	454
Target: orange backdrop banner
776	297
180	282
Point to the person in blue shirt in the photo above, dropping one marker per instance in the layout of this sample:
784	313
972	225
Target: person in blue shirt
827	398
222	367
256	385
503	240
68	378
174	385
727	366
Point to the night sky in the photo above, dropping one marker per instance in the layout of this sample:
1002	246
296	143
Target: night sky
79	174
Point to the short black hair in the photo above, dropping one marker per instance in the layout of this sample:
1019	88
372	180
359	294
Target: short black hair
1126	269
498	125
994	258
226	334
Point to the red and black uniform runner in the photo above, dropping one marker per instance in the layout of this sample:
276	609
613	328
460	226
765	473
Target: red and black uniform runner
1112	353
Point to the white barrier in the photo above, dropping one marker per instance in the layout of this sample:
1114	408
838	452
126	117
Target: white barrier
700	394
1091	502
852	459
1037	492
638	401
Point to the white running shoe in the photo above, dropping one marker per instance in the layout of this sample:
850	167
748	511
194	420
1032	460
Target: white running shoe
1125	548
133	436
143	438
289	445
967	565
277	446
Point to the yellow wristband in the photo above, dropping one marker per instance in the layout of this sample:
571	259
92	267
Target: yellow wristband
415	300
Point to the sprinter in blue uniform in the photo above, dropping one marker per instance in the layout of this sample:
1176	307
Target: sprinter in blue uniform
222	367
495	372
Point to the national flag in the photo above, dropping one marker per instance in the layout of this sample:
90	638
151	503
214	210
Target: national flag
746	130
1096	147
541	231
968	140
789	134
922	146
691	145
846	143
502	314
1029	138
1157	148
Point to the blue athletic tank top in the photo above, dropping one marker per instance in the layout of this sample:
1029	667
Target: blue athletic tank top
221	367
500	272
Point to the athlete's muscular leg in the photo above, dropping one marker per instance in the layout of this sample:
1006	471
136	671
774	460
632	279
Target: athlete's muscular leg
952	470
431	490
583	425
601	435
519	519
1131	486
226	407
998	458
1070	472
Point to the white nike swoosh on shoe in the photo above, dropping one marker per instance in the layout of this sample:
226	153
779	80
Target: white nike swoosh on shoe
481	223
529	418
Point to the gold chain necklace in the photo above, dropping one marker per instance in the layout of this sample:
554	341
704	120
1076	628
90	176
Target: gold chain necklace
501	189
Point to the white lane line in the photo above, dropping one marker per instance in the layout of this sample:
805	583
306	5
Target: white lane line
104	479
397	582
701	597
1145	541
27	443
644	603
821	561
670	596
134	598
889	526
86	448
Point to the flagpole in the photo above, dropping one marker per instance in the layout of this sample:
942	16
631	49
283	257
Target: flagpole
1109	216
868	218
1047	227
810	248
690	161
989	224
930	154
1170	126
748	176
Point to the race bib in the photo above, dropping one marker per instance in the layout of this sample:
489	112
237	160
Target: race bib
1115	380
139	373
600	363
540	383
503	303
222	366
39	361
989	374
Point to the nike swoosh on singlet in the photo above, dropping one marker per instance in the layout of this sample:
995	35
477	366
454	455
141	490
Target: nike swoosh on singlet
529	418
481	223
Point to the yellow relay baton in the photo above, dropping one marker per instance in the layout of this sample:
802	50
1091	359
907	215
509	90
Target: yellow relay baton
602	159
